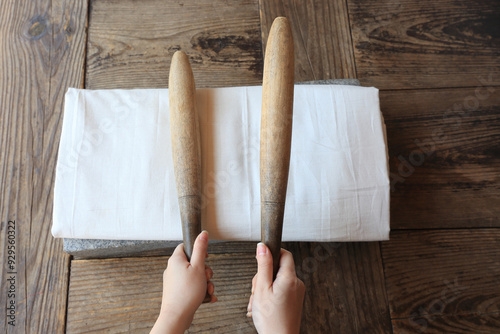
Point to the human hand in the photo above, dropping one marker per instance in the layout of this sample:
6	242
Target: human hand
276	307
184	287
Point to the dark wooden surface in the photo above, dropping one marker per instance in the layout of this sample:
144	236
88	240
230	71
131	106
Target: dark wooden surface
345	291
425	44
443	275
459	324
41	52
130	45
437	63
444	157
321	33
129	295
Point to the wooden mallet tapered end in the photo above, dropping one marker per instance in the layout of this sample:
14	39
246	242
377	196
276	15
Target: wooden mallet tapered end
276	133
185	147
184	132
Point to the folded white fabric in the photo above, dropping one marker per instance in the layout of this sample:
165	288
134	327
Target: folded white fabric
115	180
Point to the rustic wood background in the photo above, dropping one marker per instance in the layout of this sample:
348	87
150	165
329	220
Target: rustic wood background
437	65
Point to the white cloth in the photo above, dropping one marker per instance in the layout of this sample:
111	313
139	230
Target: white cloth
114	177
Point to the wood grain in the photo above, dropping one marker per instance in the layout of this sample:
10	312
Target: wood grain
276	134
444	157
124	295
459	324
185	144
443	272
425	44
345	290
41	53
322	38
131	45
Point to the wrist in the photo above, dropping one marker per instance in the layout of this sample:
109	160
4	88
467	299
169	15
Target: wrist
173	321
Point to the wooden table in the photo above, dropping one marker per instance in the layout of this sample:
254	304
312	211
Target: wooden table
436	64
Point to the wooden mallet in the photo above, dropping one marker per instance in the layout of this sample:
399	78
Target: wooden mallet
276	133
186	154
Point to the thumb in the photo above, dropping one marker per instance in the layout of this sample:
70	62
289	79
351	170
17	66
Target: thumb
199	250
265	267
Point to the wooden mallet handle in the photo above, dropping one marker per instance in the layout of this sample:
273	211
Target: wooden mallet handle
276	133
184	132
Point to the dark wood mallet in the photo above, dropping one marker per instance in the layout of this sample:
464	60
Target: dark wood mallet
276	133
186	154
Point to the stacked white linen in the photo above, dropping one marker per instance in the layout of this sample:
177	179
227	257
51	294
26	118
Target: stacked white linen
115	180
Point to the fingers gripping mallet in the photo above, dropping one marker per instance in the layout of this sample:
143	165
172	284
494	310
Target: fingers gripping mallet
276	133
184	132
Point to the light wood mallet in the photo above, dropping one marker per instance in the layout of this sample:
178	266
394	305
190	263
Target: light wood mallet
276	133
184	132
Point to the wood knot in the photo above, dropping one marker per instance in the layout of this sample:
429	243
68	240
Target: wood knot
38	27
243	49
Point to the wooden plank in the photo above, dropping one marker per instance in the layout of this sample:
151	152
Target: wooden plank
131	45
123	295
345	291
344	283
443	272
425	44
321	34
444	158
41	52
459	324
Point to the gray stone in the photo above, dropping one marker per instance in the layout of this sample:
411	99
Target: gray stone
94	248
348	82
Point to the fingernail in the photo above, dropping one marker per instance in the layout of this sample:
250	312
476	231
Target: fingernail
261	249
204	235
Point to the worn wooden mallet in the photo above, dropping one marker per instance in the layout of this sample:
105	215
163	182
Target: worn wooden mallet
186	154
276	133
